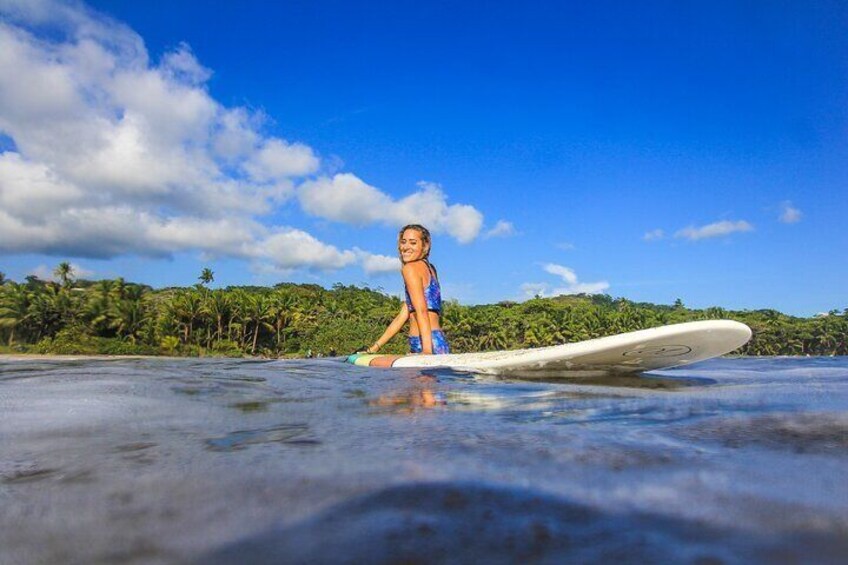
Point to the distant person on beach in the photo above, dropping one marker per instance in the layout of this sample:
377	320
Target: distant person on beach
423	305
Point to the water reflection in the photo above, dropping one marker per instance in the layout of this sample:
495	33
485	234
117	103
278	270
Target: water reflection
291	434
420	393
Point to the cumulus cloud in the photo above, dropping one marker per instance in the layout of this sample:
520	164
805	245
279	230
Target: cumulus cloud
91	110
501	229
374	264
569	277
291	248
344	198
97	127
789	214
183	66
110	231
717	229
278	159
347	198
112	153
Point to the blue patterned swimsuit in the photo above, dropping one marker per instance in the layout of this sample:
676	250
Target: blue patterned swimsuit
433	297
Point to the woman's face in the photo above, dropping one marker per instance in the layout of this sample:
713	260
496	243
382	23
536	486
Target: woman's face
411	246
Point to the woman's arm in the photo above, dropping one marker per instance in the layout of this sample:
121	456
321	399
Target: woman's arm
393	329
415	287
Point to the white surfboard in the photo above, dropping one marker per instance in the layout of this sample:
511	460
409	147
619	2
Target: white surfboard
633	352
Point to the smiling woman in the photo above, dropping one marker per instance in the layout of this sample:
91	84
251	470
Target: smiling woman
423	304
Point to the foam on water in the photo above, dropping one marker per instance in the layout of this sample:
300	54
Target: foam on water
174	460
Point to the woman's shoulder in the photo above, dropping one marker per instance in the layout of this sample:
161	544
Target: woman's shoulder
415	268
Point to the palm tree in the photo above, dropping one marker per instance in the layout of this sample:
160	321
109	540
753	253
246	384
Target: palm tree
259	313
65	272
129	317
14	308
219	307
237	324
188	309
119	288
827	333
99	300
715	313
285	312
206	276
46	310
495	338
459	324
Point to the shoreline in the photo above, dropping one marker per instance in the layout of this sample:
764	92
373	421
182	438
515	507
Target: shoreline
88	356
93	356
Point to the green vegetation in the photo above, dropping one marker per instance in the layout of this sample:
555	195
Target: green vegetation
117	317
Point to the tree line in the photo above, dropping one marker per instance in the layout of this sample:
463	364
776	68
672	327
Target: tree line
294	320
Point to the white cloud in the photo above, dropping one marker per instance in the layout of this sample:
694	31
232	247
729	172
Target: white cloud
116	154
291	249
716	229
654	235
278	159
86	109
789	214
109	231
566	246
377	264
347	198
344	198
568	275
31	191
182	65
220	236
501	229
573	285
237	134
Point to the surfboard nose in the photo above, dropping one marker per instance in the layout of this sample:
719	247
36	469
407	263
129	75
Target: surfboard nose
741	333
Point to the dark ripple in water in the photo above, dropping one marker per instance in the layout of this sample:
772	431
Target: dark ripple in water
480	523
165	460
825	433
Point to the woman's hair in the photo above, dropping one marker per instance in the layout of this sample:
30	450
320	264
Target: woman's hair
425	238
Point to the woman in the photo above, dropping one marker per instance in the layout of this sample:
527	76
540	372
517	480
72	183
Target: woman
423	305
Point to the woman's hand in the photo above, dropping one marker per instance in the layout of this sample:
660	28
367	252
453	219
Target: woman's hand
394	328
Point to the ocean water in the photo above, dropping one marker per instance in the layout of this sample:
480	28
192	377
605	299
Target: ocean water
233	461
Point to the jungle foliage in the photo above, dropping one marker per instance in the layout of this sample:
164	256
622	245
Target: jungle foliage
295	320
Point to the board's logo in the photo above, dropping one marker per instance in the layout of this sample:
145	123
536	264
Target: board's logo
658	351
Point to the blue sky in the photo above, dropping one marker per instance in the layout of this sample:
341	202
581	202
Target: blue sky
655	151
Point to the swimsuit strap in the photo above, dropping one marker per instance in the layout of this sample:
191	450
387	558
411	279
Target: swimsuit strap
431	268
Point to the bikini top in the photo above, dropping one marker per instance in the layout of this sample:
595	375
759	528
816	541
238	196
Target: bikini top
432	294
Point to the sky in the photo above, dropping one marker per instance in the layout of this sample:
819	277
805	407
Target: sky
652	150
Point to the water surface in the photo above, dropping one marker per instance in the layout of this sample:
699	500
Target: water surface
203	460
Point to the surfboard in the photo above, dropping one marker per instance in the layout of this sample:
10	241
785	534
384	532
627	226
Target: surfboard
633	352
